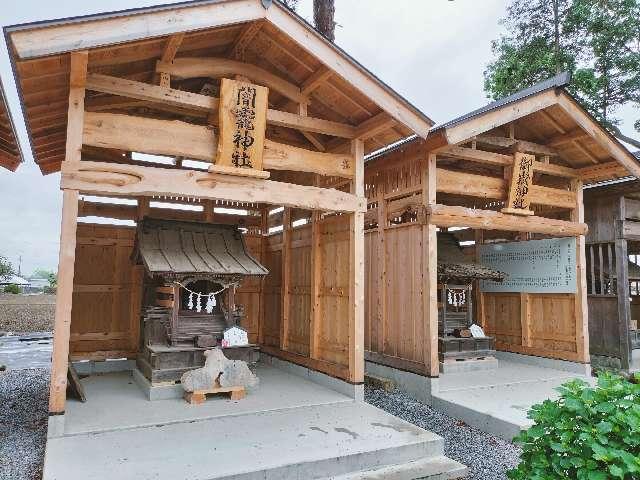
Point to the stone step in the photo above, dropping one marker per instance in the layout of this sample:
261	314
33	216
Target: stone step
437	468
314	442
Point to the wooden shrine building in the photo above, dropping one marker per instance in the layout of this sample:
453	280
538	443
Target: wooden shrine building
507	181
229	112
10	154
612	211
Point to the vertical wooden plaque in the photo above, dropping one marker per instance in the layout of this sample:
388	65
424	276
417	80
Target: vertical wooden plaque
518	201
243	117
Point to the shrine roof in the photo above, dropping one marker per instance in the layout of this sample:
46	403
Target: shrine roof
178	249
263	35
453	264
10	154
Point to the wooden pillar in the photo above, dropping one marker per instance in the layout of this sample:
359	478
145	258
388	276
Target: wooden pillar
430	272
316	271
143	207
356	270
64	302
286	275
382	271
480	311
581	308
67	256
622	283
525	319
207	213
264	230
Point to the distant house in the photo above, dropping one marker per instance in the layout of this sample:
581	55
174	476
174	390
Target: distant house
14	280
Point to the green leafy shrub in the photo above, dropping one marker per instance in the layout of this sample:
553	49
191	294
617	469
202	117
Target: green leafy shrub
587	434
11	288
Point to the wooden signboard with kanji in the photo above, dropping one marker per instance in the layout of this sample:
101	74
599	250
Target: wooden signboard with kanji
518	201
243	116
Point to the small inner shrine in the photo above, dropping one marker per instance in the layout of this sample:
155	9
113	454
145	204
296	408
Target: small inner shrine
192	271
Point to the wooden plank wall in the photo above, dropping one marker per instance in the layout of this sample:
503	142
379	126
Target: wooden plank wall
332	335
107	292
249	291
538	324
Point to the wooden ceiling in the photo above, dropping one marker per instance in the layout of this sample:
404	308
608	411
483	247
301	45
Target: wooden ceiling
10	156
44	87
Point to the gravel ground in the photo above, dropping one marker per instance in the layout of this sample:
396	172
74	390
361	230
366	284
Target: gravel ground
487	457
27	313
24	396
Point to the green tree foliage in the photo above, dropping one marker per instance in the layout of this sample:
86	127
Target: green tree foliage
598	41
12	288
6	269
587	434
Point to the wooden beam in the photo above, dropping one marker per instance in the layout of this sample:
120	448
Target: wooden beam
356	270
430	177
315	80
522	145
151	93
315	141
375	126
64	302
466	130
134	180
181	139
169	53
564	138
498	159
481	186
75	114
117	29
310	124
581	307
451	216
204	103
603	171
193	67
599	134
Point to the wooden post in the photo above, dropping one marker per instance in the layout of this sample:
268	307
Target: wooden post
356	270
264	230
430	272
624	307
143	207
382	272
581	307
207	213
316	271
286	275
68	228
525	319
480	313
64	302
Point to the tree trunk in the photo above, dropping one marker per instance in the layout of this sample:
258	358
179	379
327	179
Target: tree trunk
323	11
556	40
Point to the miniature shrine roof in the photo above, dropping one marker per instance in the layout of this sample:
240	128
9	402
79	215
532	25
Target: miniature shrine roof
176	249
453	264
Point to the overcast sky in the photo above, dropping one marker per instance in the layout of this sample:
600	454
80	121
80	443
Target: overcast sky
431	51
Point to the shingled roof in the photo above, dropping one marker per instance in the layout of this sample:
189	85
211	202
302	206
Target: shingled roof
176	250
453	265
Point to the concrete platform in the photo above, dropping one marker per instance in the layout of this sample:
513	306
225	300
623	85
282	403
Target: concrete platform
108	394
497	401
287	427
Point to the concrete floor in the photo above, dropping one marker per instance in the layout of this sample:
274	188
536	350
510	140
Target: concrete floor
497	401
115	402
287	427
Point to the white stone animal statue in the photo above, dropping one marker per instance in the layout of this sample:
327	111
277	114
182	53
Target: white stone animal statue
229	373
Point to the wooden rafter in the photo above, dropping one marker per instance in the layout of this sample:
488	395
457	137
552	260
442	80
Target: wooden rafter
244	39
